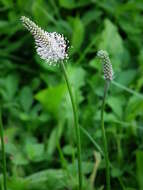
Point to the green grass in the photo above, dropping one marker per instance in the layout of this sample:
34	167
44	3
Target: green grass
39	136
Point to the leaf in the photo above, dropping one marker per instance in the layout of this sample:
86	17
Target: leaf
19	159
51	97
24	5
7	3
52	142
126	77
17	183
77	74
38	9
116	172
71	4
50	179
12	47
87	167
116	105
26	98
111	41
34	151
78	34
10	86
11	148
91	15
68	150
109	6
139	163
134	108
95	63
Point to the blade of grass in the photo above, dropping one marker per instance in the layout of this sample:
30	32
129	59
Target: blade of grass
127	89
3	153
92	140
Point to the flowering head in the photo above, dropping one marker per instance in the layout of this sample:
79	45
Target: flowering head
107	66
50	46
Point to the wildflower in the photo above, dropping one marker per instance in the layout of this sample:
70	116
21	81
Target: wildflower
107	66
50	46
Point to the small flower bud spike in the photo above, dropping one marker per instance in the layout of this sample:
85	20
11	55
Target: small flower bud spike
107	66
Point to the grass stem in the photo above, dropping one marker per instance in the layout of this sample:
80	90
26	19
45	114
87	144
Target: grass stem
104	136
3	152
77	129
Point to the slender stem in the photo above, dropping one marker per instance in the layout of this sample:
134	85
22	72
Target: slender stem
3	153
77	129
104	137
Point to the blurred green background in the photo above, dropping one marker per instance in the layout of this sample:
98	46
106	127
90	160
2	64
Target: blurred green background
37	114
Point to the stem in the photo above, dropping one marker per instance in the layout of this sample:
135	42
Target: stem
3	152
77	129
104	137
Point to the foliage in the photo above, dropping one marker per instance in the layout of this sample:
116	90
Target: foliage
37	114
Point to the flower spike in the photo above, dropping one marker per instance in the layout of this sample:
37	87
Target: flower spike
50	46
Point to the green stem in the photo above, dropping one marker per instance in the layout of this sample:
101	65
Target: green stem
104	137
3	152
77	129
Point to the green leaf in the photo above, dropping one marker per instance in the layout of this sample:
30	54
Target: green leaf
134	108
34	151
74	76
71	4
51	97
78	34
7	3
139	163
17	183
68	150
116	172
116	105
10	86
26	98
126	77
11	149
111	41
52	141
38	9
96	64
91	15
51	179
87	167
19	159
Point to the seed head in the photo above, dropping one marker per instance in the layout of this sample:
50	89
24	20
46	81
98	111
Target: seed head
107	66
50	46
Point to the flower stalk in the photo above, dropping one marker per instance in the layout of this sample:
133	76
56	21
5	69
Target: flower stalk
3	153
77	129
104	136
108	76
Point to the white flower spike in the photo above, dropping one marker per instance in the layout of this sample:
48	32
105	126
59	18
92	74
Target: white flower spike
50	46
107	66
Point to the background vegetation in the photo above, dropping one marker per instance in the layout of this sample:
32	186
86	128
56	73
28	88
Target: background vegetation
37	114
